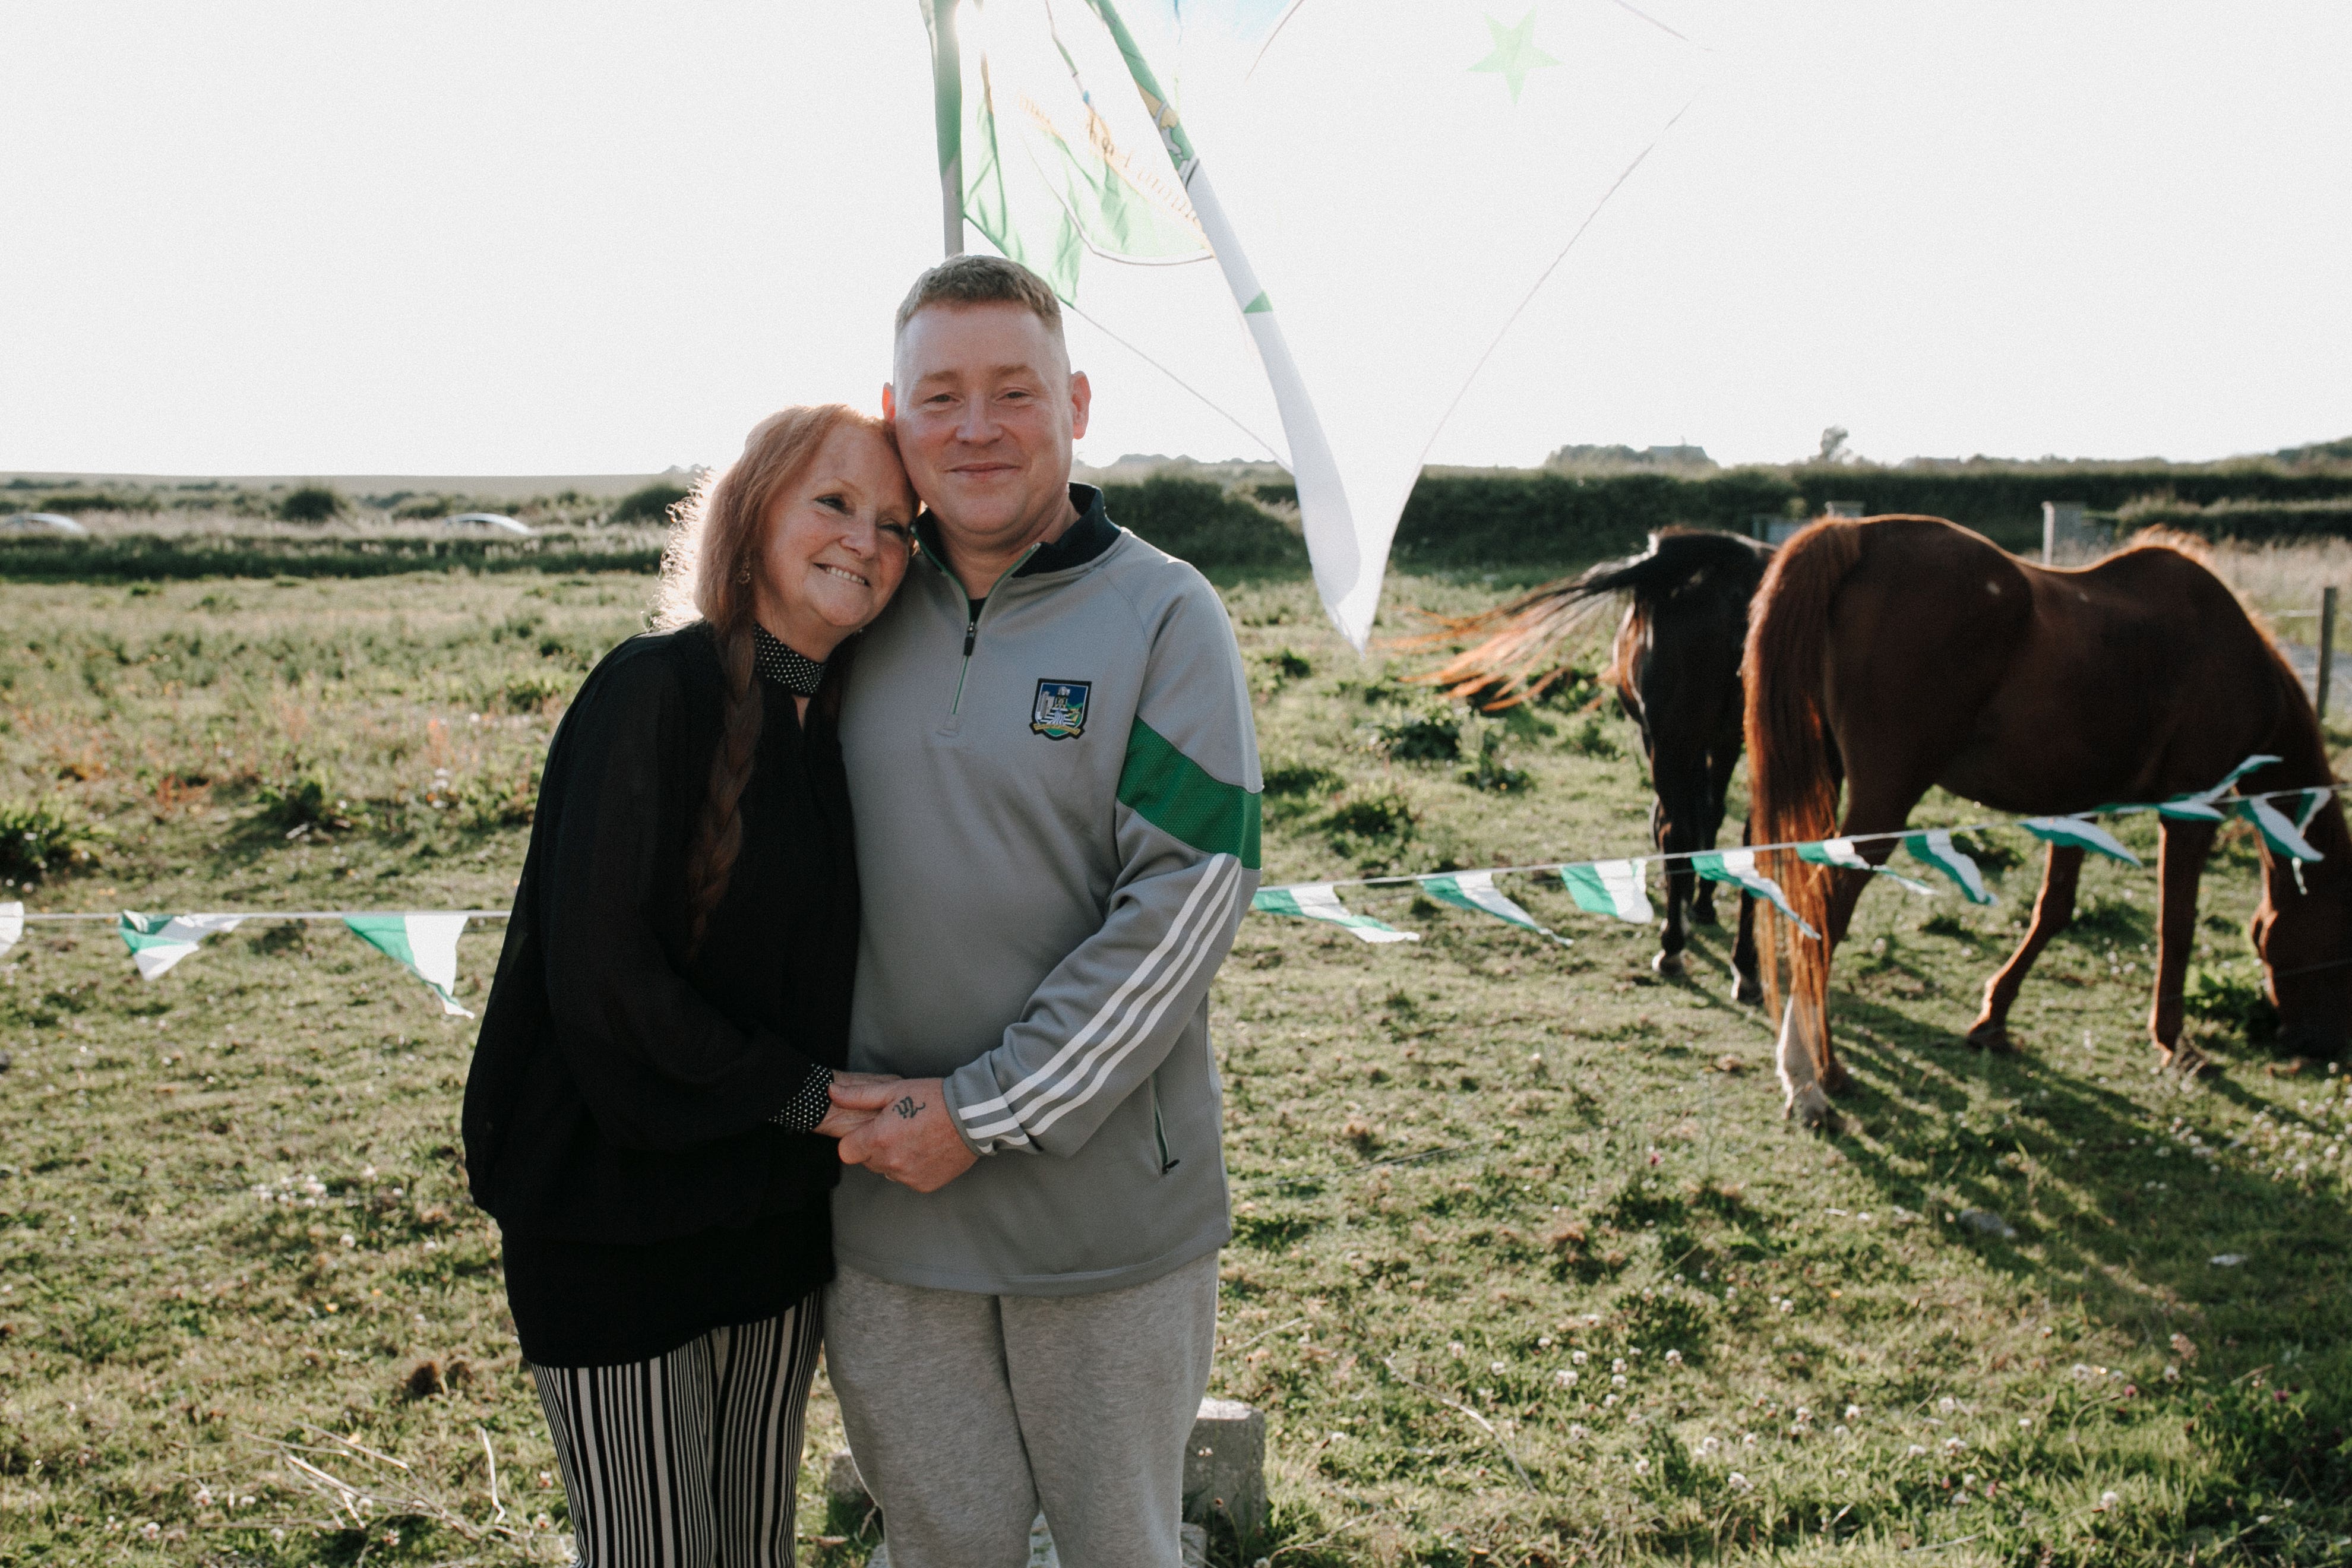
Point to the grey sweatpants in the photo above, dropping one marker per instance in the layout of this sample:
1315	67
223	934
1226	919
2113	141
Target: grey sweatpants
969	1413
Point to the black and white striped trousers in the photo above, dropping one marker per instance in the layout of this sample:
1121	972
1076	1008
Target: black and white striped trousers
689	1461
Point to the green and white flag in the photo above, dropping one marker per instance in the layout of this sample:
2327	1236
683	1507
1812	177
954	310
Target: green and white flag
1935	847
1316	296
1476	890
2199	806
426	943
2079	833
1317	901
2312	799
1737	867
156	943
12	925
1842	853
2279	833
1609	888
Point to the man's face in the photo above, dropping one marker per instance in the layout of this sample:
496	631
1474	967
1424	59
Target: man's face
986	408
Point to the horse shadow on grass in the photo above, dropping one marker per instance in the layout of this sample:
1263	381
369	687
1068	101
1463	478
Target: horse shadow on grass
2107	1205
2109	1208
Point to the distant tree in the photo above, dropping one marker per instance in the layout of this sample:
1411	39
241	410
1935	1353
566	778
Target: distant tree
650	504
1833	447
310	503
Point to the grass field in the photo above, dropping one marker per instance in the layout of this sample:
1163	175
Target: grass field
1528	1268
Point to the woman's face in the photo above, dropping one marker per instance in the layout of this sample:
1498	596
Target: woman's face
836	544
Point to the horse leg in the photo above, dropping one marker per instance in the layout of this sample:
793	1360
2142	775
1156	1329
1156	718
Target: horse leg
1720	760
2180	865
1810	1069
2052	910
1845	892
1746	985
1673	820
1673	936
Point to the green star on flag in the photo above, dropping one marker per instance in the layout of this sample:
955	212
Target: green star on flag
1515	53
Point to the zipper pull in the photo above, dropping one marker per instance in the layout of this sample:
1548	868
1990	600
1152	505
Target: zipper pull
971	634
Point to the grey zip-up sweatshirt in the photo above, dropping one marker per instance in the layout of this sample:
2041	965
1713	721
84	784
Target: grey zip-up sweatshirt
1056	807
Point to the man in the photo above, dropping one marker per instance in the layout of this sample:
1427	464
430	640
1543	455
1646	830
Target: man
1056	780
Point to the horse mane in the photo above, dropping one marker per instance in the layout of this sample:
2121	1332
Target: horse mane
1521	655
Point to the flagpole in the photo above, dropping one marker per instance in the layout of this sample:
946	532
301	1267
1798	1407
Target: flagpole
947	97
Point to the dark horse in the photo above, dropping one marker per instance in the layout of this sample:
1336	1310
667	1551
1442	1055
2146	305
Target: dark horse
1676	669
1894	654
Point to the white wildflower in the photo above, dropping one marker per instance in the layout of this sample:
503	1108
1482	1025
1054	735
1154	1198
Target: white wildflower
1739	1483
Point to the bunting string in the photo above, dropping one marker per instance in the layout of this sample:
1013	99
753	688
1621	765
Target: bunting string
425	942
422	941
1618	889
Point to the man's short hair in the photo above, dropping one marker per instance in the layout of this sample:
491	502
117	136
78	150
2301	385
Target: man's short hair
981	280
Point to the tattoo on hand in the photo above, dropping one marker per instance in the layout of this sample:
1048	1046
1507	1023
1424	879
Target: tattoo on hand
908	1108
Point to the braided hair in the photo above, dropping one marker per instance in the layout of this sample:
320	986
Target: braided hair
708	568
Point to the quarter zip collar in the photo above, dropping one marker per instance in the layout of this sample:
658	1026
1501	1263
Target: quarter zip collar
1082	542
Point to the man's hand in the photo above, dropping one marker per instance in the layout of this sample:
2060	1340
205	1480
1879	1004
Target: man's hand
840	1120
909	1138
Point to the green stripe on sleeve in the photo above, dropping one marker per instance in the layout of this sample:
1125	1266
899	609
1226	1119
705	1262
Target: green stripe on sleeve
1175	794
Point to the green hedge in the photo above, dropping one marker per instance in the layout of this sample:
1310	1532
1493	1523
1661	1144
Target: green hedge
1469	521
144	558
2252	521
1203	523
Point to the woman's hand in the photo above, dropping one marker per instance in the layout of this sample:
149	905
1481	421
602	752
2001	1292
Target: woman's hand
841	1120
908	1136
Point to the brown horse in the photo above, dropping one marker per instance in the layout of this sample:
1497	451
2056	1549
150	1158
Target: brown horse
1675	665
1893	654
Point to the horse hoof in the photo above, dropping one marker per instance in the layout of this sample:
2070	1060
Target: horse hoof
1993	1037
1748	989
1667	964
1810	1109
2187	1061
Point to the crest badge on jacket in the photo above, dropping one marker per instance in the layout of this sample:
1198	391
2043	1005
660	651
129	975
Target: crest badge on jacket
1060	711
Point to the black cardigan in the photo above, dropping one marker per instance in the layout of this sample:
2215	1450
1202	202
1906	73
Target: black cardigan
616	1118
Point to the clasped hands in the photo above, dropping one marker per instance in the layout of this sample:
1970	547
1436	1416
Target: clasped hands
898	1128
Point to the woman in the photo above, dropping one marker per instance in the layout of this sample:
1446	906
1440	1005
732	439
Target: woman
649	1115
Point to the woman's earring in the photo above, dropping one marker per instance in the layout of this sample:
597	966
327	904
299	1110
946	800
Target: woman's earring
743	574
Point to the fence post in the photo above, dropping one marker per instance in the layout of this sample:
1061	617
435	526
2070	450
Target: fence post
2326	644
2049	533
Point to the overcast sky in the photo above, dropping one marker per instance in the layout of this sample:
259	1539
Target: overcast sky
492	237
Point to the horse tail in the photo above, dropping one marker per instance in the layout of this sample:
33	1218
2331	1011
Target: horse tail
1792	765
1521	654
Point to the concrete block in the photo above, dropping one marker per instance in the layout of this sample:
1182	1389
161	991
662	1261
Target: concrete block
844	1487
1193	1544
1224	1465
